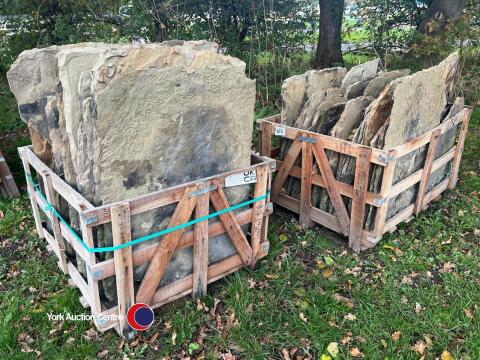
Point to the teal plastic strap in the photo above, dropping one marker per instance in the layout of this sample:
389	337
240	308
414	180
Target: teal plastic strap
142	239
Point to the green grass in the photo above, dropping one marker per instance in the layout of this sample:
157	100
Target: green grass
422	281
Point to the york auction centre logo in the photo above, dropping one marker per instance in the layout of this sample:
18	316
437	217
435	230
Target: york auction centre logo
140	316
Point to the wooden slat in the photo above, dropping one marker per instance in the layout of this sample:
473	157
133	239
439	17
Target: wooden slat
285	168
31	192
200	243
77	201
57	232
139	204
422	140
411	180
234	231
306	186
341	212
258	212
166	247
335	144
427	170
144	254
381	214
266	139
7	179
121	233
344	189
460	144
362	167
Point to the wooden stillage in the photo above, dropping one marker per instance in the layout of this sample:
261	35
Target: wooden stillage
193	201
316	170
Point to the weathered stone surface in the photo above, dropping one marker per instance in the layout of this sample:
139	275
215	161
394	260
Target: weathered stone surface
356	89
362	72
135	119
376	85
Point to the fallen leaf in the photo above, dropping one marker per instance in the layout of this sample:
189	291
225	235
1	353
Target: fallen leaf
343	299
332	348
446	355
396	335
102	354
355	352
303	317
327	273
350	317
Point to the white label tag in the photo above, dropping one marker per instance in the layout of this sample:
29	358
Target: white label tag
279	131
247	177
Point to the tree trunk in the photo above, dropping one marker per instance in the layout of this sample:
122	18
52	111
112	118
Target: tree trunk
329	47
439	13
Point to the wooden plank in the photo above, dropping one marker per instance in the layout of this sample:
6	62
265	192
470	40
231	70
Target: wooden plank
57	232
266	139
77	201
460	144
121	233
344	189
362	167
424	139
139	204
411	180
392	223
335	144
31	193
6	177
381	215
306	186
285	168
166	247
234	231
94	299
144	254
258	212
427	170
200	243
341	212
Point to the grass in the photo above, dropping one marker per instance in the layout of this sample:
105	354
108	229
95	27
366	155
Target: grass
415	294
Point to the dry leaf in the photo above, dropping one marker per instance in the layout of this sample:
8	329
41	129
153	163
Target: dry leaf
332	348
355	352
102	354
343	299
446	355
396	335
350	317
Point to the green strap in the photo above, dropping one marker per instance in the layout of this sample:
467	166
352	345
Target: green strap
50	208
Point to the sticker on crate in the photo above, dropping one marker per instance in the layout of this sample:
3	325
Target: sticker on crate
279	131
247	177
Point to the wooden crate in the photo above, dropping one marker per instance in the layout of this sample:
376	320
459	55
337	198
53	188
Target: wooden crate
193	201
311	148
8	188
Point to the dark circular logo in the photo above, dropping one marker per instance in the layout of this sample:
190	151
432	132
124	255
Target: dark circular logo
140	316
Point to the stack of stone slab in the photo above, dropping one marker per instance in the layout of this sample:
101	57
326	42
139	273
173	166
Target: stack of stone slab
118	121
374	108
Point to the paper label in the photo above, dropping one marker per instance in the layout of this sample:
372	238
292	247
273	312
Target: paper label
279	131
247	177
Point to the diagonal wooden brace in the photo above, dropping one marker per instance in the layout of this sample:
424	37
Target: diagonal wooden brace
230	223
285	168
331	186
166	248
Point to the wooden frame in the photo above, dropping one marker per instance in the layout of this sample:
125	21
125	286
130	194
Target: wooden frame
311	147
8	188
193	200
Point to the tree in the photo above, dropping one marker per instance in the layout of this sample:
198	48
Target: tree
329	47
439	13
